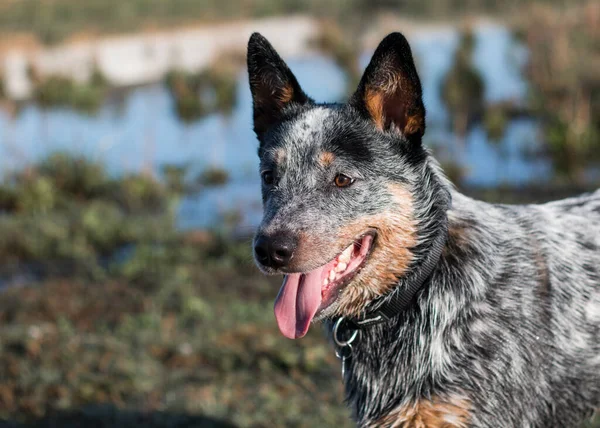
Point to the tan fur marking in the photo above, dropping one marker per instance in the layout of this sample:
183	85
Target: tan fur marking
434	413
286	95
374	104
326	159
265	95
386	100
391	256
268	103
414	125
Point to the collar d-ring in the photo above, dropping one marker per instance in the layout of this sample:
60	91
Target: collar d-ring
339	341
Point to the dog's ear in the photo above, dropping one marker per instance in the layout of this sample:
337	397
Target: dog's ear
273	85
389	92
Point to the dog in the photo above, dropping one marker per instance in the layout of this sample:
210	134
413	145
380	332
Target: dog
445	311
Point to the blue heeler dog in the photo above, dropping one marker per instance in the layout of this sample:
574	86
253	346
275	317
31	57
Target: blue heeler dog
446	311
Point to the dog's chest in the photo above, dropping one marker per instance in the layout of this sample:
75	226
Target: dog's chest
386	404
437	412
394	381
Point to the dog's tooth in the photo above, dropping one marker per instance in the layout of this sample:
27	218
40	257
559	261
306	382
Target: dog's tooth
345	256
326	281
331	274
341	267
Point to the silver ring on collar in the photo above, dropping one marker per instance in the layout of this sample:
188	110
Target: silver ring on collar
340	342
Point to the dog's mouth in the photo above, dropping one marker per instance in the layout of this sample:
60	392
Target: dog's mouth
303	295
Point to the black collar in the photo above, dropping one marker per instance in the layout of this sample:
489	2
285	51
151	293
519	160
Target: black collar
393	304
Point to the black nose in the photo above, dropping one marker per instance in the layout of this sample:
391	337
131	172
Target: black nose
274	251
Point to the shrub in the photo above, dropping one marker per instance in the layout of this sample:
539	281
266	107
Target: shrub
139	194
214	176
65	214
463	87
60	91
213	90
563	61
344	50
74	175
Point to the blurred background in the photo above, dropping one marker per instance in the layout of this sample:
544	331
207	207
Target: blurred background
129	186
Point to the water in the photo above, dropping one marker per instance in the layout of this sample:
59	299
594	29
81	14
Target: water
141	131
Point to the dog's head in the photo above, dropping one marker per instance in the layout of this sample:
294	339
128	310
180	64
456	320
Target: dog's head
346	188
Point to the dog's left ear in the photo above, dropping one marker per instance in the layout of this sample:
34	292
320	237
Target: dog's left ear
273	85
389	92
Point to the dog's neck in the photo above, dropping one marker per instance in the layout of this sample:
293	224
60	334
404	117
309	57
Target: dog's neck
432	217
407	357
396	302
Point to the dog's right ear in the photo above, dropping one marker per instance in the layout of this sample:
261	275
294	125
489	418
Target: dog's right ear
273	85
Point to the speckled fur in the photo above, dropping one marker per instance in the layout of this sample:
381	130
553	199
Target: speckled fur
507	331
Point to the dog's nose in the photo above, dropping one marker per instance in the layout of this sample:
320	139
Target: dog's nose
275	251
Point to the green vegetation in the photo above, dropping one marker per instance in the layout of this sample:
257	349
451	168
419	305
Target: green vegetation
56	20
565	83
184	327
175	177
129	313
463	87
495	120
201	341
562	70
133	323
214	176
213	90
66	215
343	47
185	89
60	91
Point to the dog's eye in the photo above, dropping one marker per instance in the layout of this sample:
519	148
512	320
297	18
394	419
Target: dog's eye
267	177
342	180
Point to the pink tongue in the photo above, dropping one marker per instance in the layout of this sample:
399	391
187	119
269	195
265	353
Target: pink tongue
298	301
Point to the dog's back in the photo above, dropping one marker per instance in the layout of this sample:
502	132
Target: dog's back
543	304
569	237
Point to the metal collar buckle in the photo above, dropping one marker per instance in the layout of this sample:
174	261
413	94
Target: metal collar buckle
343	347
